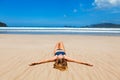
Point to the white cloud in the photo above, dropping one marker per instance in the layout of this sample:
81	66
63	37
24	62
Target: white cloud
75	10
106	3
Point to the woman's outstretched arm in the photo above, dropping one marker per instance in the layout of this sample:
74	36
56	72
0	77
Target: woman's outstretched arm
43	61
76	61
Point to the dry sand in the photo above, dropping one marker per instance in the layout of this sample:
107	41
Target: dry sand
17	51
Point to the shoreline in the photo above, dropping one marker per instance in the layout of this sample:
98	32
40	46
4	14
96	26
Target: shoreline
60	33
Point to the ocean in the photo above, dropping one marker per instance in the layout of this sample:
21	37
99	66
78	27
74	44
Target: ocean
60	30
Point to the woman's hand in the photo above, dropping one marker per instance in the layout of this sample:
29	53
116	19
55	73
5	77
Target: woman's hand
87	64
33	64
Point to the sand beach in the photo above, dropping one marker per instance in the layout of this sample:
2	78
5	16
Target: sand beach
18	51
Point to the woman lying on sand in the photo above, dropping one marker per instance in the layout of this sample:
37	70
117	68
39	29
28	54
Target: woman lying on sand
60	58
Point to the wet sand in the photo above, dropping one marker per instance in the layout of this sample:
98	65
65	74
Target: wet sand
18	51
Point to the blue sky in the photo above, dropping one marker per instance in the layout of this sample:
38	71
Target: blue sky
59	12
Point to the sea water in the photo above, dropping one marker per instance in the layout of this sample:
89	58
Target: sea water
60	30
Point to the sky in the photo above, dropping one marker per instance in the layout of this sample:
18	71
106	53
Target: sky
59	12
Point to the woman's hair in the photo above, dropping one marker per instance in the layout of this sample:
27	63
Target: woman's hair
61	64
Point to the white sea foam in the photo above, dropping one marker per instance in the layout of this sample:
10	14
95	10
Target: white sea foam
59	29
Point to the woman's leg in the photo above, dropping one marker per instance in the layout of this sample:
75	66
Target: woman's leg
59	46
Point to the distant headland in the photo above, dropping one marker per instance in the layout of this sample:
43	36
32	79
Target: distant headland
103	25
3	24
100	25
